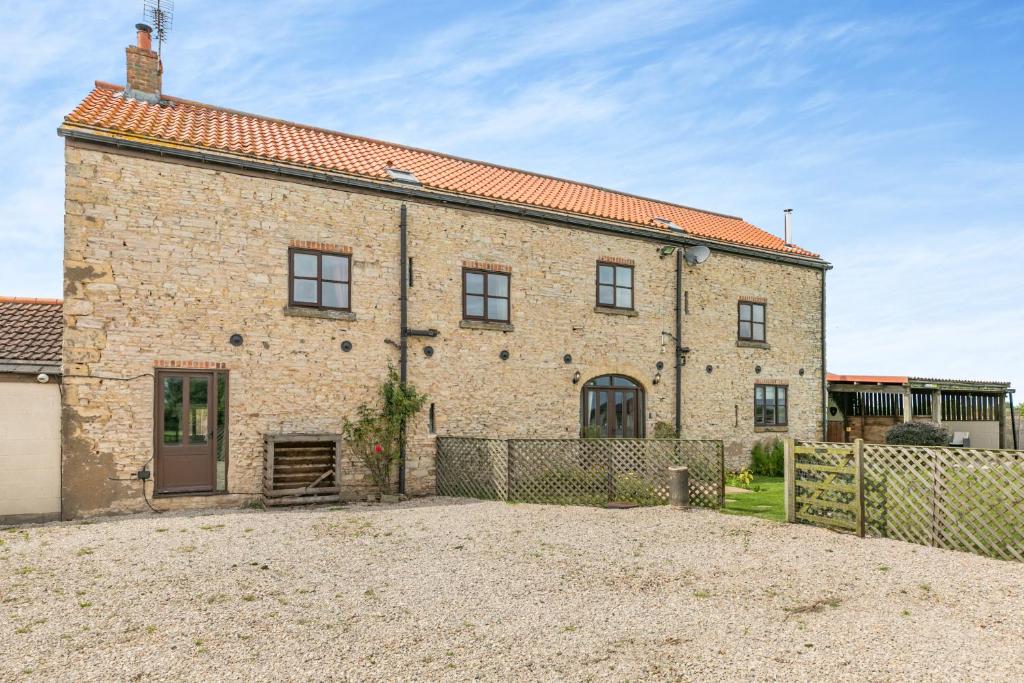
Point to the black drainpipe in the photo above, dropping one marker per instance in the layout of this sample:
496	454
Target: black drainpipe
679	342
1013	420
824	376
403	363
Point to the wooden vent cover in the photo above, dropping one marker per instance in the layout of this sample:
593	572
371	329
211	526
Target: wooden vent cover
299	469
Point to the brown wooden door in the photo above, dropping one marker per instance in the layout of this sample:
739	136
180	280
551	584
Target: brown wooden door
184	432
836	431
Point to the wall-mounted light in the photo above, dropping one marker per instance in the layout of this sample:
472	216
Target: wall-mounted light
801	372
235	339
708	369
666	251
660	365
567	359
504	354
346	346
576	377
428	351
757	369
656	379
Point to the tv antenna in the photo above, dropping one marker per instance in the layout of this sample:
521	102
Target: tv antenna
160	15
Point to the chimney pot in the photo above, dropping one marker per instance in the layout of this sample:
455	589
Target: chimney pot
788	227
145	36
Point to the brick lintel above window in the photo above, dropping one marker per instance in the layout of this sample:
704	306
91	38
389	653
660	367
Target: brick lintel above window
320	246
190	365
487	265
617	260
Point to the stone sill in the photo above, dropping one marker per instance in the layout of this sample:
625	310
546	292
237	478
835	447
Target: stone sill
611	310
753	344
486	325
778	429
326	313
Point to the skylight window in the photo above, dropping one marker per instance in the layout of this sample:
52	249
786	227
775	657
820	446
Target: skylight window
666	223
402	176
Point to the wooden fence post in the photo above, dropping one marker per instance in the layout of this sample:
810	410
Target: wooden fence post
789	469
858	460
508	471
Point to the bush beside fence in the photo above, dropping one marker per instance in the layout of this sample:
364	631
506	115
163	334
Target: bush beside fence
578	471
955	498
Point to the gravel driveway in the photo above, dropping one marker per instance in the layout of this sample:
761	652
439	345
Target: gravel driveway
442	589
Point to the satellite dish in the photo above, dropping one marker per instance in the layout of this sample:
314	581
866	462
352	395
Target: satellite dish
696	254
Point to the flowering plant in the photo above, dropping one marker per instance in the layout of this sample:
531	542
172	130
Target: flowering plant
378	432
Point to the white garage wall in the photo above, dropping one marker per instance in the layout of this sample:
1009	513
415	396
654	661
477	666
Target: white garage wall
29	450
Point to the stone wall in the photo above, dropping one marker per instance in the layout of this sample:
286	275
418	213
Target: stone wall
165	261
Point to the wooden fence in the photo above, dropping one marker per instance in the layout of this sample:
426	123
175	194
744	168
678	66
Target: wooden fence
955	498
578	471
824	484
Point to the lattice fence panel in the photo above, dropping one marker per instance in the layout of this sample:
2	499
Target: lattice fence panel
826	485
578	471
472	468
957	498
598	471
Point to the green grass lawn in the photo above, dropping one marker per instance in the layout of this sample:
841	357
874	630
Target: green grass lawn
767	503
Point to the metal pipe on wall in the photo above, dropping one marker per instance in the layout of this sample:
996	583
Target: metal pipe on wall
403	363
1013	420
824	365
679	343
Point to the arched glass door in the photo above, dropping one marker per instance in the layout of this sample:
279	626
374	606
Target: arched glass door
613	406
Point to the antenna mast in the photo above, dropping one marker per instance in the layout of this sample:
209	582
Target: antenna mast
160	15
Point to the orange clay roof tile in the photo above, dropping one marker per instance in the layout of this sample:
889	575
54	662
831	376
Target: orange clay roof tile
198	125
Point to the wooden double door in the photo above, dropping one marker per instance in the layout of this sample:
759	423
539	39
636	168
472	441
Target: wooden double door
186	432
613	408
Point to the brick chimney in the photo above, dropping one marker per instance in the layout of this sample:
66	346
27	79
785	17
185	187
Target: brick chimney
144	68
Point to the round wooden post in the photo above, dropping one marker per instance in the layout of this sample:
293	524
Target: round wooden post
679	487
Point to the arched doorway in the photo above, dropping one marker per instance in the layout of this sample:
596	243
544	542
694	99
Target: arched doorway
612	406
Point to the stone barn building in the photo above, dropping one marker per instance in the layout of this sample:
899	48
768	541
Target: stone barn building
230	277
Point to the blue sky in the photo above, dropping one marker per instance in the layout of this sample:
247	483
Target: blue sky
893	129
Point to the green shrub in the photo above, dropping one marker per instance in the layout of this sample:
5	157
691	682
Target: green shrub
767	457
741	479
918	434
664	430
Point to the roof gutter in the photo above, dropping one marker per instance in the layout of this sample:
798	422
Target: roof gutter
415	192
29	367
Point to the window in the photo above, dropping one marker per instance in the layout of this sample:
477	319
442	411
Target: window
770	409
614	285
320	279
751	322
613	407
485	295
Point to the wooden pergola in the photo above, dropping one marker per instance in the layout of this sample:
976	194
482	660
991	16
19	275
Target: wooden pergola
866	406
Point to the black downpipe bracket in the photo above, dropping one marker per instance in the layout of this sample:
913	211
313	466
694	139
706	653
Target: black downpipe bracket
679	343
403	363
